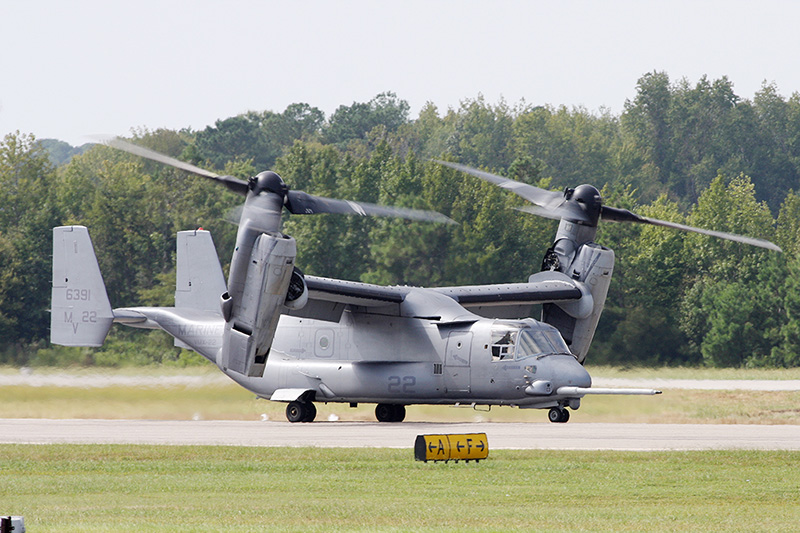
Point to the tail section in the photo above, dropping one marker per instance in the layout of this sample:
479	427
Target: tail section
81	314
200	282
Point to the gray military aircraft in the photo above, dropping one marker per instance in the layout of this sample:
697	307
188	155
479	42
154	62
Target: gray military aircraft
305	339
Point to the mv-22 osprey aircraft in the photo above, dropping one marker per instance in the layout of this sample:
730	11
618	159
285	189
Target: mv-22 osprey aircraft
305	339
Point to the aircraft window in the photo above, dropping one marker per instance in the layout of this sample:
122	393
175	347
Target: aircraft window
531	344
556	341
503	343
538	342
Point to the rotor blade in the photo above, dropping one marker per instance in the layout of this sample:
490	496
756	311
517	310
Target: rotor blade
623	215
233	215
301	203
568	211
543	198
234	184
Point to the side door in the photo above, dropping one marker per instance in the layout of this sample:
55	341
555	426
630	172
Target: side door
457	362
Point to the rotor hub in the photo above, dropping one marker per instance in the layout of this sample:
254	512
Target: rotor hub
268	181
589	200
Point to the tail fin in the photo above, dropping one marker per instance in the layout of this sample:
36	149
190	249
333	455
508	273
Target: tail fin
199	281
81	314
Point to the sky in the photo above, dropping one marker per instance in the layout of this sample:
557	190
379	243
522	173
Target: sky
71	70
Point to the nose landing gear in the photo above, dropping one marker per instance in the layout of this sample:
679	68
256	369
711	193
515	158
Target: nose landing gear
558	415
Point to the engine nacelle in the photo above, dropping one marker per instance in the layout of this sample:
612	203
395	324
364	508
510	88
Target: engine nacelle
592	268
257	301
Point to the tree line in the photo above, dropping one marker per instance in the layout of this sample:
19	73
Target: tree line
695	154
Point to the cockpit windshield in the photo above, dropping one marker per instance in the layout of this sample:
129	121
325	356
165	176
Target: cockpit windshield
537	342
515	342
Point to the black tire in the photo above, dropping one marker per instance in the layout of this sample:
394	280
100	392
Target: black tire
399	413
558	415
386	412
296	412
311	413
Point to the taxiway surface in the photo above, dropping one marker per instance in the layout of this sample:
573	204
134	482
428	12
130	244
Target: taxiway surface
571	436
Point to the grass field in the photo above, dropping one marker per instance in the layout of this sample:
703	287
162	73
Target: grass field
157	488
177	488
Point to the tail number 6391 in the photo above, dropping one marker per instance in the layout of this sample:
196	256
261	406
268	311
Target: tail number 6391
79	294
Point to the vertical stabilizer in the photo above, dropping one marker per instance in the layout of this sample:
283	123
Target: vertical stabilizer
199	279
80	314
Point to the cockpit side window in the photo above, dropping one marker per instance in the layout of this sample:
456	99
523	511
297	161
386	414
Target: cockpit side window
504	341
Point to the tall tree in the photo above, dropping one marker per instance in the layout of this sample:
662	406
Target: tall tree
356	121
27	212
730	312
482	134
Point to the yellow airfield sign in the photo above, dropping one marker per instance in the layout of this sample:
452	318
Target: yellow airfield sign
455	447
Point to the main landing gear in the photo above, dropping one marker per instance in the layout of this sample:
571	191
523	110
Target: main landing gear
388	412
558	415
301	412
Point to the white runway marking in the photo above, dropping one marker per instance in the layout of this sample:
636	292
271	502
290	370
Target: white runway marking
570	436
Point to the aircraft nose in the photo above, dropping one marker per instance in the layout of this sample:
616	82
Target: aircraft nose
566	371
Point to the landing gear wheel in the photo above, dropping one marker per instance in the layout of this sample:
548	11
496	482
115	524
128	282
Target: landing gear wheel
387	412
300	412
399	413
384	412
312	412
558	415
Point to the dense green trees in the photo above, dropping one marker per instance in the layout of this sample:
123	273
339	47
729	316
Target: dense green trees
697	154
27	208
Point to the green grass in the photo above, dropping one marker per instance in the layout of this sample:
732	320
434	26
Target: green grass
155	488
678	372
183	488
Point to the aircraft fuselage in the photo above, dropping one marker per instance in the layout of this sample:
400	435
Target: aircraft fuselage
399	360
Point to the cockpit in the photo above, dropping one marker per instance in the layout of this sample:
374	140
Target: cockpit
518	340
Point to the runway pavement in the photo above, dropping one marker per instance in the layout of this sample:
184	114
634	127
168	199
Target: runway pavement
570	436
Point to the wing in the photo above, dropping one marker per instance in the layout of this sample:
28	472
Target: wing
352	292
513	300
328	297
